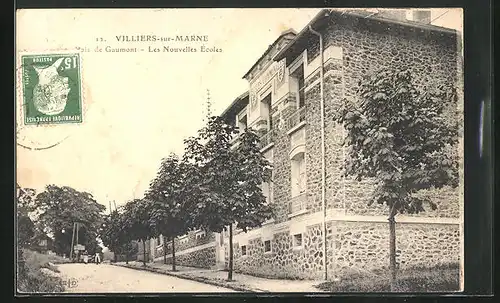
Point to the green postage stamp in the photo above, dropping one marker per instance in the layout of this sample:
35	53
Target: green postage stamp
52	90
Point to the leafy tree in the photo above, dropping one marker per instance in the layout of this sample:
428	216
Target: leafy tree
170	213
228	181
138	222
116	237
402	136
60	208
25	226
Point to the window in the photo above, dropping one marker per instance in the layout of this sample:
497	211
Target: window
266	111
298	166
242	122
297	240
266	191
243	250
267	246
298	81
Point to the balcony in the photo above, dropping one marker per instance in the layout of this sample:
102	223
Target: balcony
267	138
297	205
297	117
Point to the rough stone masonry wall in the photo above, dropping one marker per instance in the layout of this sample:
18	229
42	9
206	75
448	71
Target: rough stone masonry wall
356	244
359	246
365	245
282	165
203	258
431	57
284	261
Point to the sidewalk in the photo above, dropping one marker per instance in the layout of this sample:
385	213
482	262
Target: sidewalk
242	282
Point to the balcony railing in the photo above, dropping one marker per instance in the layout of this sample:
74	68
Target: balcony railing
297	204
297	117
267	138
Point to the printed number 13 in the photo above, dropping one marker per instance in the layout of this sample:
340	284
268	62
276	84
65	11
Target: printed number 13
70	62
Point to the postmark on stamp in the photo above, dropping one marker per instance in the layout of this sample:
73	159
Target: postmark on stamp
52	90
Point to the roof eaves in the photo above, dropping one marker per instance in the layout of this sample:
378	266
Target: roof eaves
373	16
281	53
235	101
288	31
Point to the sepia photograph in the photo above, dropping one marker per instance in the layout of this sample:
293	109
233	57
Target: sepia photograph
276	150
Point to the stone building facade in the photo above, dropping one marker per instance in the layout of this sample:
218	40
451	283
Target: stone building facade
321	217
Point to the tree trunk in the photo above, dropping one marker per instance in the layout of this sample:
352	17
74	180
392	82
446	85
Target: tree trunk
126	258
164	250
115	257
392	250
173	254
230	271
144	253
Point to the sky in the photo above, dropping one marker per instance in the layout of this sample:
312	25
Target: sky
139	107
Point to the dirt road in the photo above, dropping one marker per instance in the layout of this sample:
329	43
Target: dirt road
104	278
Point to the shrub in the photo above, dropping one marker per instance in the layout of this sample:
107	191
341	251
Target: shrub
440	278
30	276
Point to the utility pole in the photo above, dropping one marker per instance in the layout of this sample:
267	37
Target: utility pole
72	243
110	207
114	202
77	230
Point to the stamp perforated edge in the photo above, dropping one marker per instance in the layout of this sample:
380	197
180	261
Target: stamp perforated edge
19	97
21	84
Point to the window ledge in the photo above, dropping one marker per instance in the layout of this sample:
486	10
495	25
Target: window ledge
298	213
268	252
267	222
267	147
296	128
298	247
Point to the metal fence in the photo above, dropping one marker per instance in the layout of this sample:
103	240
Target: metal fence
297	117
297	203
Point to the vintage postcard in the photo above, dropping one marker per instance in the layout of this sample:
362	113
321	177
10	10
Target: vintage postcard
239	150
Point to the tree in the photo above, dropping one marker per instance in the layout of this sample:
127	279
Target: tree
403	137
228	181
170	211
116	237
25	226
60	207
138	222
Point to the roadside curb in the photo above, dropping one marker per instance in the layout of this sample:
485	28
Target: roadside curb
220	283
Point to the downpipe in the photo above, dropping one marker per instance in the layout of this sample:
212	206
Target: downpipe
323	164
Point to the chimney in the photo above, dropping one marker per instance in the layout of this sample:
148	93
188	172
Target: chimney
395	14
421	15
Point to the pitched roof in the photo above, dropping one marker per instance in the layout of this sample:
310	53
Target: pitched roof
236	106
325	14
288	31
